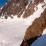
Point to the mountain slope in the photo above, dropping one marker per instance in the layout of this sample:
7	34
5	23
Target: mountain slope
32	18
18	7
15	7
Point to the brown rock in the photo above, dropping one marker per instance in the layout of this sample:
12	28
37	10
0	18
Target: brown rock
38	1
14	7
37	27
29	11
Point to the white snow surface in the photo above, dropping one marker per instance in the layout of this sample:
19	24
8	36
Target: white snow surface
12	31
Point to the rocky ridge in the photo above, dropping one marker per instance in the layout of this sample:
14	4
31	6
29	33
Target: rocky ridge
37	27
17	7
13	7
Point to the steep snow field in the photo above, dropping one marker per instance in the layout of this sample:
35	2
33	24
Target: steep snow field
12	30
12	33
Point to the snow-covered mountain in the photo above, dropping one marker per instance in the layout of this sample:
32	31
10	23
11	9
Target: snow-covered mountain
14	7
22	19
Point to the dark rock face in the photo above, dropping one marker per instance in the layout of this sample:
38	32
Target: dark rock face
37	27
15	7
29	41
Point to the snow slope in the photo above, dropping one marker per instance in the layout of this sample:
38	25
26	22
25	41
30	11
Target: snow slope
12	30
12	33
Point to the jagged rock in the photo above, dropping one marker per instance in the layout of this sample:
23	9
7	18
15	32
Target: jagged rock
15	7
37	27
30	10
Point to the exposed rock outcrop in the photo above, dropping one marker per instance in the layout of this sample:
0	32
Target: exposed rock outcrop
14	7
37	27
35	30
30	10
17	7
